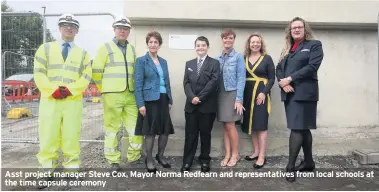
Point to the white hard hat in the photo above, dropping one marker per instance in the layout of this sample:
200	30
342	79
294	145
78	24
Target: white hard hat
122	21
68	18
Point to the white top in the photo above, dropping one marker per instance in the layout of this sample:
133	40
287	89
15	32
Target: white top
202	59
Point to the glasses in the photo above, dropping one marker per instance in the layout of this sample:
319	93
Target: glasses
123	28
294	28
67	25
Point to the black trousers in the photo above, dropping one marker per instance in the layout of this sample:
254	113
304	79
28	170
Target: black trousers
197	122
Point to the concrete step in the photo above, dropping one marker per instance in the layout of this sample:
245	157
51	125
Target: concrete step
366	156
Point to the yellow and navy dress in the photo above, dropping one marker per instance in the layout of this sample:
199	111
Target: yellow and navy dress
260	78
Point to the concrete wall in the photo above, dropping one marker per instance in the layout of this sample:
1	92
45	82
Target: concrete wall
358	12
348	75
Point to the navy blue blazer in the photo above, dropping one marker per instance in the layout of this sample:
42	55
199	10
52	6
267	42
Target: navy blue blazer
302	65
147	80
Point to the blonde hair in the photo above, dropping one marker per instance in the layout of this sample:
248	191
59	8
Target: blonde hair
308	35
247	45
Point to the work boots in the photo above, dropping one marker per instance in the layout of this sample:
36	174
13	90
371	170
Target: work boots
115	167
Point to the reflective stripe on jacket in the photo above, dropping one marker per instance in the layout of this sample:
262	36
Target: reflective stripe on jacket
51	71
109	68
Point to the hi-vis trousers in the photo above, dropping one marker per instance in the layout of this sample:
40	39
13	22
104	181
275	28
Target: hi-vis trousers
59	126
120	108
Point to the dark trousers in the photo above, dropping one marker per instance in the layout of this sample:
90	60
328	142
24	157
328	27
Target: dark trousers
197	122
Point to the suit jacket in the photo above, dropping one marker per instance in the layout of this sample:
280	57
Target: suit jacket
302	65
204	86
147	80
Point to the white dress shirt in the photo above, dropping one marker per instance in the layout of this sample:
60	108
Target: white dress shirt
202	59
62	42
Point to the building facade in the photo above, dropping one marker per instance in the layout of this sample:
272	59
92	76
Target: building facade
348	76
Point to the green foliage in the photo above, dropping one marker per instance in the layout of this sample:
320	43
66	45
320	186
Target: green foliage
20	38
5	7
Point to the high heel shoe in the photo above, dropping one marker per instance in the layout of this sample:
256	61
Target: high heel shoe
248	158
154	170
164	165
305	167
290	175
256	166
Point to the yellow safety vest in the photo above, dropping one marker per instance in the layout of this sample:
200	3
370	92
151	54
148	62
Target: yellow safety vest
109	68
51	71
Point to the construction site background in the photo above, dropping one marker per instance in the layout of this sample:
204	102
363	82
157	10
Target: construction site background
22	34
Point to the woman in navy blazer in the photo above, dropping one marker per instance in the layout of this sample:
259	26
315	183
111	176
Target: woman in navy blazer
154	100
297	75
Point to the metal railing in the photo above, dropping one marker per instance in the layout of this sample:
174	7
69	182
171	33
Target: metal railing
43	16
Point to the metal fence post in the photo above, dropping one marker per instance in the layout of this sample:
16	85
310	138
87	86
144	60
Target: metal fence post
80	14
44	29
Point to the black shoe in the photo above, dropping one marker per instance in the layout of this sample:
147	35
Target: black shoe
115	167
164	165
185	167
290	175
248	158
305	167
153	170
256	166
205	167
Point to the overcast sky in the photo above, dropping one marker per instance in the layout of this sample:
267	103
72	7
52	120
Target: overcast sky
94	30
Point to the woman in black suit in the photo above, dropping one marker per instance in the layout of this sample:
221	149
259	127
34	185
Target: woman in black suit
297	76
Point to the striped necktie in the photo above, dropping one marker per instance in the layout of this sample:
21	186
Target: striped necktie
199	66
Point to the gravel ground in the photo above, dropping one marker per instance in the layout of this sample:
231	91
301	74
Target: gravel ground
92	160
27	128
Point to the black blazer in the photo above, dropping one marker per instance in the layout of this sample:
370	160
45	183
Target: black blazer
204	86
302	66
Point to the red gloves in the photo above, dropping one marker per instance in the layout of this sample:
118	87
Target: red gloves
65	92
61	93
57	94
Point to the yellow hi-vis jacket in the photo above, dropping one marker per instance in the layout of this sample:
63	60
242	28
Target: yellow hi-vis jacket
109	68
51	71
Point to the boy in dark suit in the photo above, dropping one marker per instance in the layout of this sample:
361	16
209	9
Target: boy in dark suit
200	85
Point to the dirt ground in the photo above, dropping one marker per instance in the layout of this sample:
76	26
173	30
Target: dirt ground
22	157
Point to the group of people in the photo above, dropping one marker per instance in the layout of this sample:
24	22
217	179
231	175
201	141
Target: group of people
136	92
